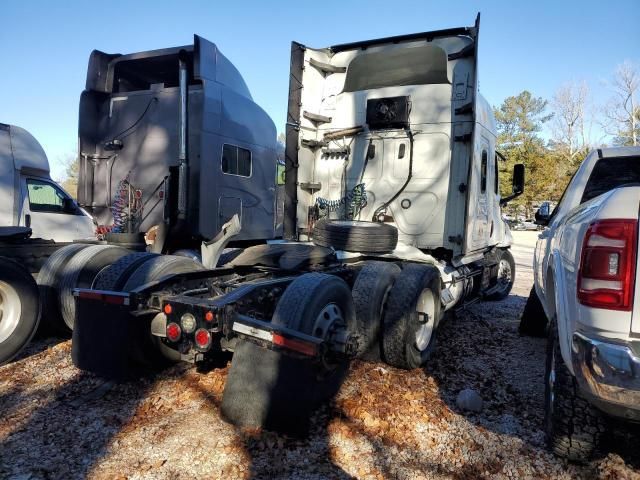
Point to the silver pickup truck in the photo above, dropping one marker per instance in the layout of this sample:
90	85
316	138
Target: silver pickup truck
586	299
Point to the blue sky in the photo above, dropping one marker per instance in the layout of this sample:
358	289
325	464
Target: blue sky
523	45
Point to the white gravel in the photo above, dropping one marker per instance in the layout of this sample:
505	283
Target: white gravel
58	422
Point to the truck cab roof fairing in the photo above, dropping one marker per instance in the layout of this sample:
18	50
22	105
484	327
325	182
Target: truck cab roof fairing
208	63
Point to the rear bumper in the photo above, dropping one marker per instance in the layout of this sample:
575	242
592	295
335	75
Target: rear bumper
609	374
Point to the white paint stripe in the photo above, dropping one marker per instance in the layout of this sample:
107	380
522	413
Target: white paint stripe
252	331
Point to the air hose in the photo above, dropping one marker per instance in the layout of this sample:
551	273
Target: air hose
382	208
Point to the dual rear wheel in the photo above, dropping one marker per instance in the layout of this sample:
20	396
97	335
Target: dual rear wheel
393	313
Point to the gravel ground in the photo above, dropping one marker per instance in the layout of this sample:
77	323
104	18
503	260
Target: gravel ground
58	422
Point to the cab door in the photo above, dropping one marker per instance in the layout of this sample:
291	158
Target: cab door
51	213
479	231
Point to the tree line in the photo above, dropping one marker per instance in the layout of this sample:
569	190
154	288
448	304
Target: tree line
571	118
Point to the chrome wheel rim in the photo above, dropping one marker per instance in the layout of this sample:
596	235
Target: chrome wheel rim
329	316
10	310
425	308
504	273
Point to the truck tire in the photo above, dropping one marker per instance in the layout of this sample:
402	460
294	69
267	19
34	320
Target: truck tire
533	322
370	293
48	283
573	426
116	275
411	317
19	308
269	389
356	236
160	266
506	276
152	352
80	272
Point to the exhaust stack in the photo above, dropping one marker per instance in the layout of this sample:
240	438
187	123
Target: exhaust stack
183	135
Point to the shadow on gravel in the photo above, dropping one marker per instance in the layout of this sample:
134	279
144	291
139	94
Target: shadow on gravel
38	345
480	348
86	409
268	452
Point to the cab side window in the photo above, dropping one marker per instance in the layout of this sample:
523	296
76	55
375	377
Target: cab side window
483	172
236	160
45	197
496	183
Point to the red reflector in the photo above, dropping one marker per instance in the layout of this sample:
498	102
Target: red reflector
295	345
203	338
606	277
90	295
209	316
168	309
114	299
101	297
174	332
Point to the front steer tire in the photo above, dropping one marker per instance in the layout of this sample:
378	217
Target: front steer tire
506	274
403	345
270	389
573	426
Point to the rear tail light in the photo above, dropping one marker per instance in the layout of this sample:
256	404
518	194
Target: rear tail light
174	332
203	339
606	277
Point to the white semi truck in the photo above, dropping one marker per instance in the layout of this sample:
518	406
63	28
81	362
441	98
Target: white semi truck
392	217
37	217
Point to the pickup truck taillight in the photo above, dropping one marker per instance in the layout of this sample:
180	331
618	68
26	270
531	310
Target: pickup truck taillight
606	276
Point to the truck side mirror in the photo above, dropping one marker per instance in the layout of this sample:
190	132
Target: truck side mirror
543	215
69	205
518	179
518	184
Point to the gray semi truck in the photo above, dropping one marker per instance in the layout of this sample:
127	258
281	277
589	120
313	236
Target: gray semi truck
171	148
391	218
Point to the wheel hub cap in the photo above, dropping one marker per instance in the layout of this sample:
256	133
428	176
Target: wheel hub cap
425	308
328	318
504	273
10	310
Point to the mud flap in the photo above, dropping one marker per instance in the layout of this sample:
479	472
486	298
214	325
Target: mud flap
104	337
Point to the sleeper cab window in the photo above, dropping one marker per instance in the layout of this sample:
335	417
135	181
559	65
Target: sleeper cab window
236	160
483	172
45	197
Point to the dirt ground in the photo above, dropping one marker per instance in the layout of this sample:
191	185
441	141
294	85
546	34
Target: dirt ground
58	422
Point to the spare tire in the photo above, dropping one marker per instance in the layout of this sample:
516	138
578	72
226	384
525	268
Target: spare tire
80	272
356	236
19	308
